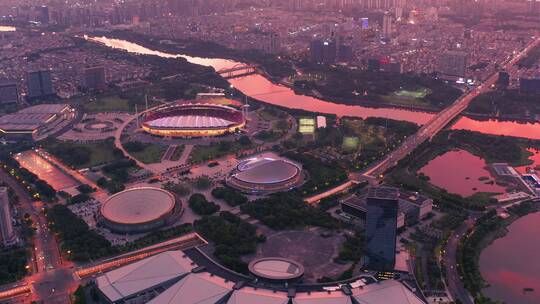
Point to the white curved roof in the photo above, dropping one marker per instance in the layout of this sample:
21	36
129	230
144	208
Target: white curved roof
133	278
388	291
195	289
138	205
266	170
336	297
190	122
249	295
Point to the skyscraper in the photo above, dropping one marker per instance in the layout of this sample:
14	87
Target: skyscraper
94	78
388	26
6	226
9	93
381	222
40	84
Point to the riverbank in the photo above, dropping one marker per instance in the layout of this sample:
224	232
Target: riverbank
491	148
258	87
272	71
487	230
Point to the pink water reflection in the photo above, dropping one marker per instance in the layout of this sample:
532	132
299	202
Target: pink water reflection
459	172
496	127
263	89
510	263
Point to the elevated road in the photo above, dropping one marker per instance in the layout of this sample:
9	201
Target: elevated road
442	119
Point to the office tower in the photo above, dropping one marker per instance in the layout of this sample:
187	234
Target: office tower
381	223
43	12
6	226
9	93
40	84
453	63
388	26
529	86
272	43
504	80
94	78
316	51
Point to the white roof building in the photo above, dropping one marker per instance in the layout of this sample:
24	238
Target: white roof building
195	289
143	275
249	295
388	291
167	278
336	297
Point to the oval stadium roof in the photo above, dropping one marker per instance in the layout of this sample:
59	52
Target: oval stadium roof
138	205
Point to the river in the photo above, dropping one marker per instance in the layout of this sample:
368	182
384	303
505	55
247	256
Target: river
261	88
511	264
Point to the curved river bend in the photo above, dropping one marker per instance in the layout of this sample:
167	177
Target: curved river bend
258	87
512	263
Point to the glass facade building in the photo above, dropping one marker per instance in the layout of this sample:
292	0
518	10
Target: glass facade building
381	222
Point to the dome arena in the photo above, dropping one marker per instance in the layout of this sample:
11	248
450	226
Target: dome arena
193	120
139	210
266	175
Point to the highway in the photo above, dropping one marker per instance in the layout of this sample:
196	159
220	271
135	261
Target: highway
453	280
48	280
442	119
53	278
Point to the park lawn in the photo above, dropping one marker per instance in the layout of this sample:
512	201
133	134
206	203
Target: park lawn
205	153
151	154
100	152
108	104
408	98
366	134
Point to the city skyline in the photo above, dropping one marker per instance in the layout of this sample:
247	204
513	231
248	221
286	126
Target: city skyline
269	151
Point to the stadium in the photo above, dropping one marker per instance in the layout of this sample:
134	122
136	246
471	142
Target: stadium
139	210
193	120
266	174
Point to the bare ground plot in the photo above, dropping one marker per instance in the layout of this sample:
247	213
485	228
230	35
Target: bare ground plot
315	252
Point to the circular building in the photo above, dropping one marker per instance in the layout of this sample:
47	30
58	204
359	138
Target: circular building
138	210
276	269
193	120
265	175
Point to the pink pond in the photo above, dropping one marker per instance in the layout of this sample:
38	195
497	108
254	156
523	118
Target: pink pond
510	264
459	172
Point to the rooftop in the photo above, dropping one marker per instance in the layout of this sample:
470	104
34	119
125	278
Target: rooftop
383	193
133	278
266	170
138	205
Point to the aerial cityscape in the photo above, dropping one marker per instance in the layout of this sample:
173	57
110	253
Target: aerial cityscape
269	151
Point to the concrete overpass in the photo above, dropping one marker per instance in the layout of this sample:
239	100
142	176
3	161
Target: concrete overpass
442	119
